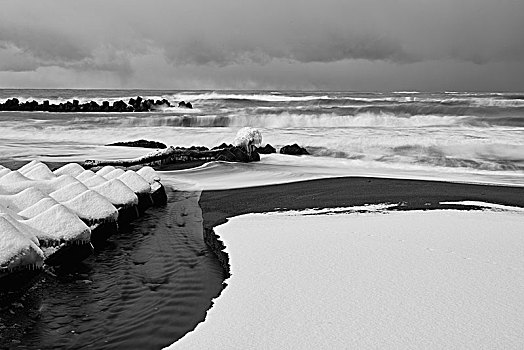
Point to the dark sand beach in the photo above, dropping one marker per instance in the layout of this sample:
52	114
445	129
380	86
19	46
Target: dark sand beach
350	191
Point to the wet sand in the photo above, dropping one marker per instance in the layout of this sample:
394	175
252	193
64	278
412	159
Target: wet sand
349	191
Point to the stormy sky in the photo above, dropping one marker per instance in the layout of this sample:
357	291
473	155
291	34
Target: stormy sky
369	45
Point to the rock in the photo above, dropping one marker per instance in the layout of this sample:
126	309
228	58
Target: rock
140	143
237	154
294	150
138	102
267	149
222	146
119	106
198	148
135	105
184	104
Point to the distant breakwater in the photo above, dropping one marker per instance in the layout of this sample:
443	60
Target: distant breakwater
138	104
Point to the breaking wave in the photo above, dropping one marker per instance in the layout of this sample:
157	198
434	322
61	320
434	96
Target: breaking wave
284	120
269	97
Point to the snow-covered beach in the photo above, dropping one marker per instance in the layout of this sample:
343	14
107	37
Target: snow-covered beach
365	278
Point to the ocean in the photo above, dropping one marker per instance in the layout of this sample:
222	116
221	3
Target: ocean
154	280
454	136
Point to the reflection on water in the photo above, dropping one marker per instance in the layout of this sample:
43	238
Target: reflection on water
148	286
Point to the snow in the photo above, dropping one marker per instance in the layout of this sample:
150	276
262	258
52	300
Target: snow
92	206
105	170
11	212
68	192
16	249
117	193
419	279
30	232
135	182
114	174
85	175
129	178
72	169
95	180
39	171
37	208
13	177
38	205
23	199
59	223
4	171
149	174
26	167
485	205
15	182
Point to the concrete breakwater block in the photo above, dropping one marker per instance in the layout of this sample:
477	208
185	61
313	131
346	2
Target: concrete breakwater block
55	217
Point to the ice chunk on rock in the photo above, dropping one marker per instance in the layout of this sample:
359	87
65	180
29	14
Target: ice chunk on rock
24	229
59	224
248	137
151	176
16	249
135	182
92	207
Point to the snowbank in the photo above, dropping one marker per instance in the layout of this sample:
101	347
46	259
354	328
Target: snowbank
40	208
418	280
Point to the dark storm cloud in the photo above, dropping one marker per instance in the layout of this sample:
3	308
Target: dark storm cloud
135	40
329	48
43	44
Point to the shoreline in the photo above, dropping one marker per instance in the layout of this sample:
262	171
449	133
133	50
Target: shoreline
218	205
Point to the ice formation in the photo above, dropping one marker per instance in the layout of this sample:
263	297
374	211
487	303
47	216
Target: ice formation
42	211
17	251
248	138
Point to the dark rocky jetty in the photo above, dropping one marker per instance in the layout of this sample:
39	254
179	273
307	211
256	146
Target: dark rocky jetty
140	143
294	150
175	155
138	104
